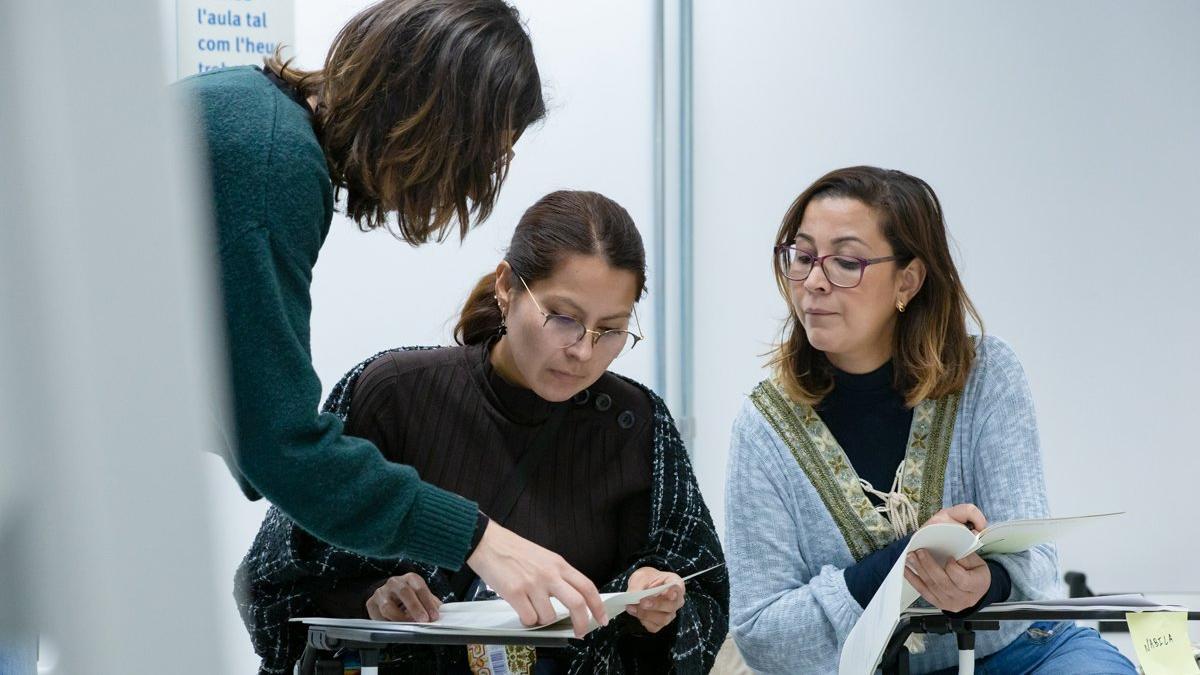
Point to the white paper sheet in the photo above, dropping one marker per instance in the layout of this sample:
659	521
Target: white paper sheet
1135	602
497	617
868	639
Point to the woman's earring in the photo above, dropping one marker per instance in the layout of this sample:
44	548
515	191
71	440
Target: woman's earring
503	328
900	306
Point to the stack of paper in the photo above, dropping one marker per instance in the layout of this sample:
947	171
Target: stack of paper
1112	603
495	617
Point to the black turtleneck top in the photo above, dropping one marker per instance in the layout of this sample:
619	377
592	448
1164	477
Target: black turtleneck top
449	414
868	418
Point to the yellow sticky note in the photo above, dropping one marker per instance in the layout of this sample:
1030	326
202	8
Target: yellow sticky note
1161	642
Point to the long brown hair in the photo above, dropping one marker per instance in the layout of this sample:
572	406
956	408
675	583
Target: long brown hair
559	224
419	105
933	353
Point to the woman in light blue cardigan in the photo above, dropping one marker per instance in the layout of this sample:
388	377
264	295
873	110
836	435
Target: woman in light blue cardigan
883	414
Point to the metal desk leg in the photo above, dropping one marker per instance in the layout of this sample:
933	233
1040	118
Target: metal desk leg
369	660
307	665
966	650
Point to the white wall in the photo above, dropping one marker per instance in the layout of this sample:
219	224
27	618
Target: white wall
371	292
1062	139
107	342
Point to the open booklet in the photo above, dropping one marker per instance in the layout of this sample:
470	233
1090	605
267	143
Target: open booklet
868	639
497	617
947	540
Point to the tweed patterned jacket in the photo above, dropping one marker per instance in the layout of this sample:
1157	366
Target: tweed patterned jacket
285	566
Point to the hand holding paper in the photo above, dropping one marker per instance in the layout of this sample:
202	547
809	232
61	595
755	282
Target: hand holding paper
941	541
404	598
528	577
657	611
497	617
952	586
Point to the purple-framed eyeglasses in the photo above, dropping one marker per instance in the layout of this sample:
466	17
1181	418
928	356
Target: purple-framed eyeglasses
846	271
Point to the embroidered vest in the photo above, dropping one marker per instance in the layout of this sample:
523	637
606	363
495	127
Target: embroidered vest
921	475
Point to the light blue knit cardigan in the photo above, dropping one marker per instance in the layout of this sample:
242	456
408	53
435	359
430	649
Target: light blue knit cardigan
790	610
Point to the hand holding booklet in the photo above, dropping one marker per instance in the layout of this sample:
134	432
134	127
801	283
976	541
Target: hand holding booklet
497	617
867	640
952	540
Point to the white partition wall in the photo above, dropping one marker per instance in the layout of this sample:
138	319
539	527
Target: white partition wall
1062	138
106	351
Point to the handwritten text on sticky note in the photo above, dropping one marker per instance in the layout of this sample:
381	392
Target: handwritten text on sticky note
1161	642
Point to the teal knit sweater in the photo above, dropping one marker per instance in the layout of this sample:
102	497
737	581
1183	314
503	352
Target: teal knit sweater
273	204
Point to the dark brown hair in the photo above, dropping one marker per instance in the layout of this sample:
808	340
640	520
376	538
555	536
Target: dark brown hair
932	353
419	105
559	224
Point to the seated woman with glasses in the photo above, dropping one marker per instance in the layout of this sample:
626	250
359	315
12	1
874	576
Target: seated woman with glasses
883	414
525	419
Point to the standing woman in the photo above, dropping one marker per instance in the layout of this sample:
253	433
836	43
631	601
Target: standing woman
414	114
884	414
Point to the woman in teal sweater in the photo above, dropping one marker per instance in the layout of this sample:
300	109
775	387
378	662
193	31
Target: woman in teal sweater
414	114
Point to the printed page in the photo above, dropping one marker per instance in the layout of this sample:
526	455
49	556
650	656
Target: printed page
488	617
869	637
875	626
552	631
1019	535
1135	602
497	617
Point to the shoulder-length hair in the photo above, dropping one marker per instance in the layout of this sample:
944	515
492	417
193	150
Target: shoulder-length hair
933	352
419	104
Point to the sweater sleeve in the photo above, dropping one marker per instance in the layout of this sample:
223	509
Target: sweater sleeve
784	616
1006	466
337	487
865	577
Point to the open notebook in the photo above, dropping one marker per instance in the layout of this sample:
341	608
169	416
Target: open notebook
496	617
868	639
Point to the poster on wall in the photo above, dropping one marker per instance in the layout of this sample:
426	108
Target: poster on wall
220	33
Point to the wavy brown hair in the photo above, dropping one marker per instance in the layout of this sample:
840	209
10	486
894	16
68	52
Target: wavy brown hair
419	104
559	224
933	352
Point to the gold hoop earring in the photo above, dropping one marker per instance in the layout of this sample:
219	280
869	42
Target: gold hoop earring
900	306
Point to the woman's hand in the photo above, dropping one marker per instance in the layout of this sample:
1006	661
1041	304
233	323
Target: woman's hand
963	514
953	587
959	584
657	611
527	576
404	598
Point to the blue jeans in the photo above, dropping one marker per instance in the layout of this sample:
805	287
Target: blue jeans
1054	647
18	657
